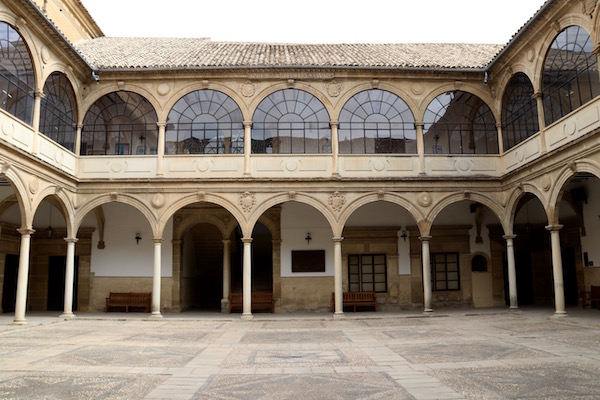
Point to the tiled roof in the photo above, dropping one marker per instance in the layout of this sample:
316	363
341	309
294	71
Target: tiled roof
167	53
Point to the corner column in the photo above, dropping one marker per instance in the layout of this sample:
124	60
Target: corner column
541	120
23	275
156	277
226	276
337	281
247	146
160	151
420	146
557	271
335	148
69	277
426	274
37	106
512	271
247	279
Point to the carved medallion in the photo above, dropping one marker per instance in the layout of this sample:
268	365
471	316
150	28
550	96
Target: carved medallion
247	201
333	88
417	88
248	89
45	55
336	201
163	89
158	200
546	183
34	184
424	199
8	128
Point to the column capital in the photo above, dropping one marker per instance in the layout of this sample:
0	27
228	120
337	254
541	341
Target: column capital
157	240
596	49
246	240
337	239
554	227
71	240
79	125
26	231
537	95
499	125
419	124
226	242
161	124
334	123
424	238
509	237
39	94
247	124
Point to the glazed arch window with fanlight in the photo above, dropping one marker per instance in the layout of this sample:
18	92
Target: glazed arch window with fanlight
367	273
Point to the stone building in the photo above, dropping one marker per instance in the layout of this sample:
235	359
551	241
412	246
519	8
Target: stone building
434	175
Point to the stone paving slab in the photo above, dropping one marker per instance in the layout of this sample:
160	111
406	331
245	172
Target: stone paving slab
452	355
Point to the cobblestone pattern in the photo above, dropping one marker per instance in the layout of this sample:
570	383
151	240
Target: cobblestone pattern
505	355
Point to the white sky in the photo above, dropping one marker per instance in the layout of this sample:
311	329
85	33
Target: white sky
317	21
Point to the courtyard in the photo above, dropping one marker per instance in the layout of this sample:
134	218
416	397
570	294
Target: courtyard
453	354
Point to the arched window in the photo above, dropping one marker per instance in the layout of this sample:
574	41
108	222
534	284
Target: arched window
58	112
291	121
376	121
458	122
17	81
519	111
205	122
570	73
120	123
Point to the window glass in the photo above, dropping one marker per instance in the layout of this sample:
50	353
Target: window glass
205	122
445	271
376	121
458	122
291	121
58	111
367	273
17	82
570	77
519	111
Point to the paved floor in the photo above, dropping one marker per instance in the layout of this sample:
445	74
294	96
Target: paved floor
455	354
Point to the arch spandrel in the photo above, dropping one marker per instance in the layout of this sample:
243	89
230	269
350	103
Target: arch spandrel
64	202
13	178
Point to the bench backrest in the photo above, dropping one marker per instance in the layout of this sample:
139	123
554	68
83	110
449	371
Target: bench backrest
115	296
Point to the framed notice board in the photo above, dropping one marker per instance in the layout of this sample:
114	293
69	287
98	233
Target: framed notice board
308	260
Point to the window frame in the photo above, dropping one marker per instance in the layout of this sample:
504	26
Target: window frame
434	257
361	273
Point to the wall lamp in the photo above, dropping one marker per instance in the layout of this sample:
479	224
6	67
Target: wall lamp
308	238
138	237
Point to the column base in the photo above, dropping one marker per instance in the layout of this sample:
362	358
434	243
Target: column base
156	315
19	322
247	317
225	306
428	311
514	308
67	315
560	314
339	315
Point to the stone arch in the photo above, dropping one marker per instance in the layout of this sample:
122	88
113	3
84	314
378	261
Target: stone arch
119	198
200	219
475	90
393	198
114	87
506	78
283	198
482	199
68	72
174	98
20	193
322	97
195	198
513	202
21	27
348	94
63	201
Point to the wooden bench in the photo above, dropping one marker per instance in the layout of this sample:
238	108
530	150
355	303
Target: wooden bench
591	297
356	299
258	300
139	300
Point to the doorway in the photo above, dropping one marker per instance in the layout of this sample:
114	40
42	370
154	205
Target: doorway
9	288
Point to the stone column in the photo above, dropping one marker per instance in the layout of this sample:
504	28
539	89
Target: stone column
37	106
78	139
557	271
226	276
247	146
156	279
69	277
335	148
247	279
420	146
426	274
512	272
500	139
541	120
337	277
160	150
23	275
